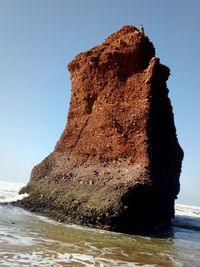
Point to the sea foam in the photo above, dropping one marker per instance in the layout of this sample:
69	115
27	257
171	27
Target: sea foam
187	217
9	191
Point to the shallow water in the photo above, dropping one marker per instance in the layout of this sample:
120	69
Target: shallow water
27	239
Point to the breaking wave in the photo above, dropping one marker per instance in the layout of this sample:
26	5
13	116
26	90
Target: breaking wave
187	217
9	191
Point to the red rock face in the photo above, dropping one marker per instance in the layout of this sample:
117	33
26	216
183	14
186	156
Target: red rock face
118	160
106	106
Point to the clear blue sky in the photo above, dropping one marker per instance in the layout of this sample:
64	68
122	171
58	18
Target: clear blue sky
38	39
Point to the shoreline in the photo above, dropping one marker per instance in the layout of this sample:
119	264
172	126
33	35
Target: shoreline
162	231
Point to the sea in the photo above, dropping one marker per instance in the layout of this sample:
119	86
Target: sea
29	239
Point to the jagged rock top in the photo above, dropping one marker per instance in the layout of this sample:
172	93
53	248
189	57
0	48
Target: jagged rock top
128	48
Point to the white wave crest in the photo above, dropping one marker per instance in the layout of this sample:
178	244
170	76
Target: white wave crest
187	217
9	192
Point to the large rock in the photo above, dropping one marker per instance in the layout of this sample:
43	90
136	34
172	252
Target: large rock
118	161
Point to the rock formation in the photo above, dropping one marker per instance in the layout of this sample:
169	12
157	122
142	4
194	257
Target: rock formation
118	161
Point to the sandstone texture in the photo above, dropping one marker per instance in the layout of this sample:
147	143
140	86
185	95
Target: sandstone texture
118	161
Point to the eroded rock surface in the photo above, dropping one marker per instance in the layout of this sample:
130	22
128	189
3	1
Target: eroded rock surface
118	161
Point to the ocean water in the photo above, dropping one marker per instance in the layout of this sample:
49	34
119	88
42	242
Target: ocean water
27	239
